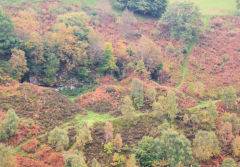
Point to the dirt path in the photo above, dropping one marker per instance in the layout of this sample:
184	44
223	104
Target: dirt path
190	47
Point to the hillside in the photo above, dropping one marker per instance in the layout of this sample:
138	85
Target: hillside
119	83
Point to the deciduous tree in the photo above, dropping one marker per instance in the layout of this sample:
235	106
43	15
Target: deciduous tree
205	145
108	62
7	38
182	20
127	108
58	138
18	64
177	149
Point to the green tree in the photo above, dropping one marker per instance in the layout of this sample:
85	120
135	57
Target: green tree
76	160
7	38
229	98
229	162
95	163
171	105
154	7
78	21
148	150
11	122
8	127
50	69
205	145
137	93
58	138
108	62
177	149
83	136
127	108
18	64
166	106
182	20
7	158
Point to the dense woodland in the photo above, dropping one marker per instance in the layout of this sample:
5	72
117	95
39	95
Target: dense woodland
119	83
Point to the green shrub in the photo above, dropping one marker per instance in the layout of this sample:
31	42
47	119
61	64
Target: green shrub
8	127
183	20
58	138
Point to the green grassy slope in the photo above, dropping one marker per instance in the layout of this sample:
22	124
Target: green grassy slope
214	7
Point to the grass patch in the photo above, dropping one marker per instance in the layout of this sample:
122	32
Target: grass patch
214	7
190	47
91	118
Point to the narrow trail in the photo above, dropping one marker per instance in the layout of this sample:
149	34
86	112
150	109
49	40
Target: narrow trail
190	47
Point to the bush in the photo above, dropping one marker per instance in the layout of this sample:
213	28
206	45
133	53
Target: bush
182	20
8	127
58	138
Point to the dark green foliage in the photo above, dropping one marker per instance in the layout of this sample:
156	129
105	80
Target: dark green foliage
50	69
177	149
174	148
146	7
108	62
137	93
229	162
148	151
8	127
182	20
7	39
